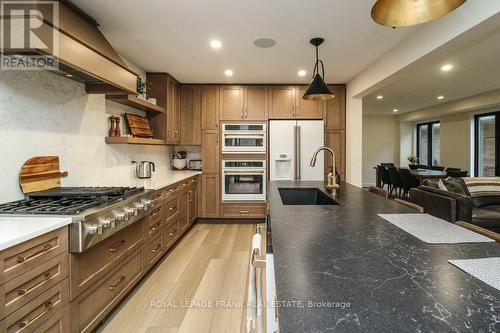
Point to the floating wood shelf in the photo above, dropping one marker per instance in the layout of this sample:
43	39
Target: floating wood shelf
136	103
125	140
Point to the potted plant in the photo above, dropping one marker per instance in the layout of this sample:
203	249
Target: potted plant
413	159
143	87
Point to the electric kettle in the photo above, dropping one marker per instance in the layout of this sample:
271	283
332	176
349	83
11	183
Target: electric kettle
144	169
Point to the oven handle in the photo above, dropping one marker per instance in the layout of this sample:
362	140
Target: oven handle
244	134
233	171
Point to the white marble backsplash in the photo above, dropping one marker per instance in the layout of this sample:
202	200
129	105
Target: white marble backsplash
46	114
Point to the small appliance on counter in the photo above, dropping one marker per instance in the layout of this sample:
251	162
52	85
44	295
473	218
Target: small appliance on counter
144	169
179	160
195	165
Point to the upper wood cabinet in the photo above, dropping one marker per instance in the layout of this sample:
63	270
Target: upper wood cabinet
256	102
282	102
190	113
210	107
335	108
286	103
166	90
307	109
231	103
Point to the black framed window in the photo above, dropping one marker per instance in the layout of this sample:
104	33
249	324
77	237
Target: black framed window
486	145
428	142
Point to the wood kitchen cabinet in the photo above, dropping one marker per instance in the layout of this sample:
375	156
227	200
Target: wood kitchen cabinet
286	103
231	103
210	151
190	115
210	107
210	195
335	108
335	139
184	210
256	102
167	91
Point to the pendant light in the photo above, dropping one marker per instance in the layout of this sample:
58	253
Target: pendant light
401	13
318	90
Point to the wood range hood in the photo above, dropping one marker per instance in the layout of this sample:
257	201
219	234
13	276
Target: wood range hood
83	53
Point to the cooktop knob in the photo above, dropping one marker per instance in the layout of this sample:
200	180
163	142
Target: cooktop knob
131	211
95	229
140	206
107	222
121	216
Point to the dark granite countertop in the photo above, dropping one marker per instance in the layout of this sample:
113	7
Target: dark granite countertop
382	278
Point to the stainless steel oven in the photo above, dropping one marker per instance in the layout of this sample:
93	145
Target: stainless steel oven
244	138
243	180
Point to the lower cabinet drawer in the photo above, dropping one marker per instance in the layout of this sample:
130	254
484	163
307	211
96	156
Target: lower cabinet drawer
58	323
33	315
153	228
87	267
171	234
94	304
153	249
21	258
24	288
171	208
236	210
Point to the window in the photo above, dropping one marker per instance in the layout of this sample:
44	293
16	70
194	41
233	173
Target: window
428	137
486	146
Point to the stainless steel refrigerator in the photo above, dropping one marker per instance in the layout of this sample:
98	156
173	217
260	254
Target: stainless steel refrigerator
291	146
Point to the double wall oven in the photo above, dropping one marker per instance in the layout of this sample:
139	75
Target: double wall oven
244	138
243	180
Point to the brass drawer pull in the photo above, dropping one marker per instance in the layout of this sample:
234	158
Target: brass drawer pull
48	305
115	246
120	280
46	277
45	248
156	248
156	211
171	209
171	233
156	226
243	211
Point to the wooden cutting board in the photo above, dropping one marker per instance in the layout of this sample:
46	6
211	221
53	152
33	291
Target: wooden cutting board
138	126
40	173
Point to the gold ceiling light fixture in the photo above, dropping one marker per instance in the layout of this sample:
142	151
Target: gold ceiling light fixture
402	13
318	90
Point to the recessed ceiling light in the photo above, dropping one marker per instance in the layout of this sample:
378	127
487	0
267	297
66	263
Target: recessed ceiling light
228	72
446	67
380	97
69	75
395	110
264	43
302	72
440	97
215	44
17	56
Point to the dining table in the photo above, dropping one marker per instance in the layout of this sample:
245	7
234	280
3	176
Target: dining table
419	174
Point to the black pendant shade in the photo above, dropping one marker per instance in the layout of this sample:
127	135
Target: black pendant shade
318	90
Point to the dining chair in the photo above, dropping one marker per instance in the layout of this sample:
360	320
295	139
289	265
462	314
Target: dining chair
384	176
407	181
395	180
377	190
457	174
387	164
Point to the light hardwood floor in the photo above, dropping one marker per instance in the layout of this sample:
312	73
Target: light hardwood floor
209	264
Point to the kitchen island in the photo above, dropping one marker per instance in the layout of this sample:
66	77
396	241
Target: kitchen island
343	268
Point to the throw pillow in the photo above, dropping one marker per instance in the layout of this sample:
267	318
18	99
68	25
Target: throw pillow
441	185
453	185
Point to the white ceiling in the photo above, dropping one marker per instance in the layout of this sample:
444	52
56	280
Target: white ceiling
475	57
173	36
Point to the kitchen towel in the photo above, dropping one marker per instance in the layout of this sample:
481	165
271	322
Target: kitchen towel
484	269
433	230
254	304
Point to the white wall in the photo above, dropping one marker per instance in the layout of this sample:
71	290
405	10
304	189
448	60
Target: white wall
45	114
380	134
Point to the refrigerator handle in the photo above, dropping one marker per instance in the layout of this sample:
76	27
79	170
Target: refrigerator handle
294	153
299	158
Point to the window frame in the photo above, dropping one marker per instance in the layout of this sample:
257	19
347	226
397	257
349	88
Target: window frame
430	138
476	141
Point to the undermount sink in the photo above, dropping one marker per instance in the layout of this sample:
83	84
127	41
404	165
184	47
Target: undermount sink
304	196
